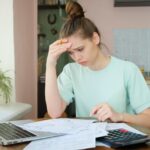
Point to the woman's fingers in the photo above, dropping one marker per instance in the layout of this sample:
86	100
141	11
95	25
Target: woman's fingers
95	109
56	49
61	48
102	112
98	107
59	42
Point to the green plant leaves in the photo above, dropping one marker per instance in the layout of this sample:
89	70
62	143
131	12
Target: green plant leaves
5	86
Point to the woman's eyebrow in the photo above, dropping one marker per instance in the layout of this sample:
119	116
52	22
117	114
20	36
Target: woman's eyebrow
77	48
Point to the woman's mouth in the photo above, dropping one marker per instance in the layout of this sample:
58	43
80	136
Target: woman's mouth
82	62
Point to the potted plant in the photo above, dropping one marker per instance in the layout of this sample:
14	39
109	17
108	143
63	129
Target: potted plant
5	86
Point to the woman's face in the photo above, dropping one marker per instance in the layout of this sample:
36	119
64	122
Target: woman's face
84	51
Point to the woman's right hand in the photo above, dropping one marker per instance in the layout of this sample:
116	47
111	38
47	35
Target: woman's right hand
56	49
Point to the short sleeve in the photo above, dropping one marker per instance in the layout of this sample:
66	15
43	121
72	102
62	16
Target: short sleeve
137	89
65	86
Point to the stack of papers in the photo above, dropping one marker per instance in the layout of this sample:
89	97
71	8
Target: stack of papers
79	133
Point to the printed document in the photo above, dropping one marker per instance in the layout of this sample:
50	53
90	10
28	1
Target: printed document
67	126
81	140
80	134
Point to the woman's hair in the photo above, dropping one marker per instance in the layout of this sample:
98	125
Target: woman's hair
76	22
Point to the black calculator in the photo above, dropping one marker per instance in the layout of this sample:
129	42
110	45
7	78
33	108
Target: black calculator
122	137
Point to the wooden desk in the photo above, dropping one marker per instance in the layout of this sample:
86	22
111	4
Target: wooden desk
21	146
137	147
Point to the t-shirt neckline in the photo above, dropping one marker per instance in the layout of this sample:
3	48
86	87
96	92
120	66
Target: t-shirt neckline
105	68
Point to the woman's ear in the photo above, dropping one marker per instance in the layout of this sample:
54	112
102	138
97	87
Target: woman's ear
96	38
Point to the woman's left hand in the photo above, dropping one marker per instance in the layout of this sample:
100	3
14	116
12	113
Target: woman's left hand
104	112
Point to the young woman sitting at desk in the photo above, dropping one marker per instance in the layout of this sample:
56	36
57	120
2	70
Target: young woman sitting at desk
103	86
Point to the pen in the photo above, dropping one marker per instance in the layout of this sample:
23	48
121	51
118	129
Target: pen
96	121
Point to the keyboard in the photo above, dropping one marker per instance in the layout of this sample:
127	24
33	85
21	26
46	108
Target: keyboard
10	131
122	137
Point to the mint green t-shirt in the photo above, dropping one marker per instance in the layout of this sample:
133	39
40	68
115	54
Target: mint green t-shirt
120	84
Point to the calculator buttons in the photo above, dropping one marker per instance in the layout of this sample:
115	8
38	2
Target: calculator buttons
123	137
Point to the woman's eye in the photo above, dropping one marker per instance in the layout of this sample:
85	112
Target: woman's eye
70	53
80	49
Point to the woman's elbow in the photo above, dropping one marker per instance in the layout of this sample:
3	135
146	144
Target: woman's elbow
54	115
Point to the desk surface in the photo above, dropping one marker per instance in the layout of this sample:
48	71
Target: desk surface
21	146
139	147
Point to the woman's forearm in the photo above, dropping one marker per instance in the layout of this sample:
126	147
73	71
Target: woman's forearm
55	105
142	119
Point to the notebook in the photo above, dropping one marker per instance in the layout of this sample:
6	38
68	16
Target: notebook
10	134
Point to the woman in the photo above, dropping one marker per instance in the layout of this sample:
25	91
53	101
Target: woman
103	86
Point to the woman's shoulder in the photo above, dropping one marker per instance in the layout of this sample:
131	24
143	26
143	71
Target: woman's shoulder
128	65
129	69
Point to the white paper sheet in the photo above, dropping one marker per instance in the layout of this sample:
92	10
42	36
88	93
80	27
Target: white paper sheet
82	140
67	126
100	129
81	134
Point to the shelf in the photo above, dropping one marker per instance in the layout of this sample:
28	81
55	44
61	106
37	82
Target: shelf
42	35
50	6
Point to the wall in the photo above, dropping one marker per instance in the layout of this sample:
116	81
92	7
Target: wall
25	35
107	17
7	42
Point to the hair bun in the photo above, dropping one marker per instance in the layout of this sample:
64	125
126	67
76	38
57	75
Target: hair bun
74	9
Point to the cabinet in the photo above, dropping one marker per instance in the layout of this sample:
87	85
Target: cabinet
70	110
41	100
50	19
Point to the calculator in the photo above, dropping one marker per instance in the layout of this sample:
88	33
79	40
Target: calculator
122	137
